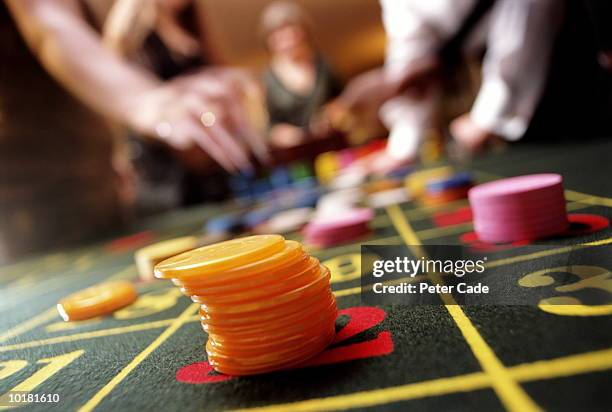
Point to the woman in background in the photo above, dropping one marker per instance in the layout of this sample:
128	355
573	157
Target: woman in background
298	81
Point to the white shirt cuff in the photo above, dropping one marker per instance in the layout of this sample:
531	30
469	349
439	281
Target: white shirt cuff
490	111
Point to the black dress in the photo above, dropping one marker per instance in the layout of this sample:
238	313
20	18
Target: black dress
284	106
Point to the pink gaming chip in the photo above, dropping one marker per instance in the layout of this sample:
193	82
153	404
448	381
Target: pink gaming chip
519	208
331	230
528	186
346	218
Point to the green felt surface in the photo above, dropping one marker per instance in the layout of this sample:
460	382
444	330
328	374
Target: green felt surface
428	344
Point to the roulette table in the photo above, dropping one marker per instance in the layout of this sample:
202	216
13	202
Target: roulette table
150	355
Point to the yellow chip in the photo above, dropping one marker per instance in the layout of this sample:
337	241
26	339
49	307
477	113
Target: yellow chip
220	256
149	256
97	300
326	166
417	182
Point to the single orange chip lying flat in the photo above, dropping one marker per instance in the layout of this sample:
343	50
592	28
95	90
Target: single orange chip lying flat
97	300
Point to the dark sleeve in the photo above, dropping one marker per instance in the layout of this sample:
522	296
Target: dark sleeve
600	16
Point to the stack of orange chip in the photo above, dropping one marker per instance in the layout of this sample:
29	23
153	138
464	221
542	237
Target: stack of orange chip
265	303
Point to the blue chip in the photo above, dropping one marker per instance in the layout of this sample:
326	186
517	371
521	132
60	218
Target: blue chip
241	186
280	178
261	188
230	223
306	183
401	172
258	216
457	180
305	198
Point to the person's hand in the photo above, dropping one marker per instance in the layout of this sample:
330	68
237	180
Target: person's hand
371	89
320	125
239	91
285	135
365	90
469	135
204	110
605	59
378	163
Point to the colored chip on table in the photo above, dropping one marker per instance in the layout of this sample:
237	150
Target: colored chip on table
149	256
417	182
287	221
258	216
350	178
461	179
230	223
332	230
326	166
383	185
97	300
388	197
519	208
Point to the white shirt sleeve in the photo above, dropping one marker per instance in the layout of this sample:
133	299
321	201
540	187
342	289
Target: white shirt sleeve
516	64
416	28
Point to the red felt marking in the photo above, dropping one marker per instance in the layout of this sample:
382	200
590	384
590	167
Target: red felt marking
461	215
130	242
200	372
381	346
361	319
584	224
471	240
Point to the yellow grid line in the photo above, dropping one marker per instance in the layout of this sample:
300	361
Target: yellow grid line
363	399
509	391
589	199
539	370
50	313
28	325
544	253
90	335
117	379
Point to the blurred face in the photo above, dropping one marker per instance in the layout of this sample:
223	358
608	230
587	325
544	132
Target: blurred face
289	40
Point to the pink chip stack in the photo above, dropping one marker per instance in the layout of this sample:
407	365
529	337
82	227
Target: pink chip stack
519	208
343	227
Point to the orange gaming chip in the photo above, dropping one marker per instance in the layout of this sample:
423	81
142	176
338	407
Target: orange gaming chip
97	300
198	263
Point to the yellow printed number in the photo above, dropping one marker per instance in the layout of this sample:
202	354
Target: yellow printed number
52	366
589	277
344	268
150	304
11	367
